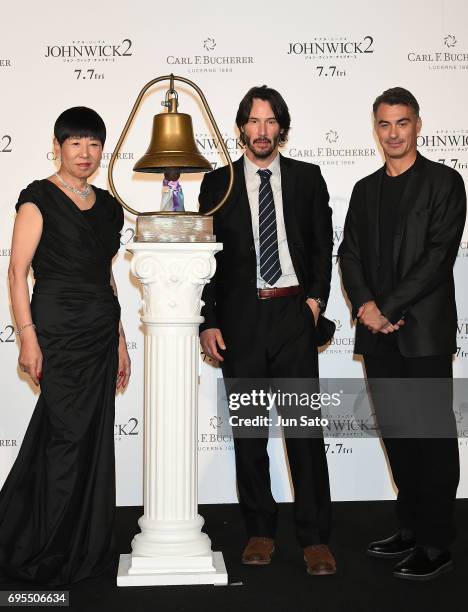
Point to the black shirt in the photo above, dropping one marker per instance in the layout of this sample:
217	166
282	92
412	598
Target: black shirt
391	194
390	199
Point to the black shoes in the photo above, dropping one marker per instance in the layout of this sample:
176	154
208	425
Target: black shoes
419	563
419	566
393	547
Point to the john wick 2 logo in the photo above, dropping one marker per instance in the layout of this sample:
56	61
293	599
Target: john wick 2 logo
450	146
87	51
320	47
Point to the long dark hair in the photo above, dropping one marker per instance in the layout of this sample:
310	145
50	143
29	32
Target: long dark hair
278	105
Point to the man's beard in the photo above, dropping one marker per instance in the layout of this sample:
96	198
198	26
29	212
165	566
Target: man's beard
264	153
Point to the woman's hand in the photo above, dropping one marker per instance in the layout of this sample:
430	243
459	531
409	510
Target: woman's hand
30	357
123	373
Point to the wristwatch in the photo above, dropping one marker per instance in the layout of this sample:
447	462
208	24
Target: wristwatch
321	303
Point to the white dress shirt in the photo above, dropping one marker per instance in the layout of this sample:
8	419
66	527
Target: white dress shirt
288	277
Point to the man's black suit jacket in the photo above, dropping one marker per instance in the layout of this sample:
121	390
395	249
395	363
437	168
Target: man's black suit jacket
429	226
231	297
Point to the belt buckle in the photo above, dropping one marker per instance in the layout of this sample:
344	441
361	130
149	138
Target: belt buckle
266	297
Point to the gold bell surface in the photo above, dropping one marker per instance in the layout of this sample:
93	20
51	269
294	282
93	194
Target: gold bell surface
172	147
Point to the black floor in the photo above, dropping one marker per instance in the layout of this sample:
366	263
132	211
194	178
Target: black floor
361	584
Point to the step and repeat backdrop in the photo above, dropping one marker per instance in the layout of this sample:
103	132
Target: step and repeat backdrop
328	59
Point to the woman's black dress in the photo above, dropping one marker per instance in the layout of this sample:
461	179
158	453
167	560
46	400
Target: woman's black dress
57	504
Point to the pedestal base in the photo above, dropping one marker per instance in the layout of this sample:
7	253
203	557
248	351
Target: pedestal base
172	576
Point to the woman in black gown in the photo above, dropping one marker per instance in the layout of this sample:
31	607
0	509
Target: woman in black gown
57	504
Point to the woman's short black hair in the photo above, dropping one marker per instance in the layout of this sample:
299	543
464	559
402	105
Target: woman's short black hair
278	105
396	95
79	122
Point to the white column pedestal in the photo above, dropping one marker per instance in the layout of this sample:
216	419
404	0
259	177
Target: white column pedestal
170	548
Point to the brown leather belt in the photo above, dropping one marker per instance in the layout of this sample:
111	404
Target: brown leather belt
273	292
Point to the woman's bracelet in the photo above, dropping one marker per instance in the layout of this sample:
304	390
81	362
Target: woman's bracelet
20	329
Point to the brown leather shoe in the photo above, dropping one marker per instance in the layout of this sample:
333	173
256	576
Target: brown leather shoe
319	560
258	551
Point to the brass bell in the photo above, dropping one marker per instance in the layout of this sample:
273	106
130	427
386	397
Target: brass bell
172	148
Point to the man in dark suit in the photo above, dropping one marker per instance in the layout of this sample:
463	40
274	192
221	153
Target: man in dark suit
272	279
401	238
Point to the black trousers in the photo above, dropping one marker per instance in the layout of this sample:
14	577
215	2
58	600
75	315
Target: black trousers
283	346
426	470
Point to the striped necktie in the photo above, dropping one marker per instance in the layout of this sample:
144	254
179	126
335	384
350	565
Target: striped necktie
270	267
